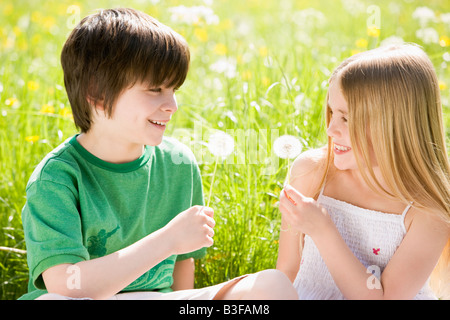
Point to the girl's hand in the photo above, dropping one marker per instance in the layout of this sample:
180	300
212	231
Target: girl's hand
303	214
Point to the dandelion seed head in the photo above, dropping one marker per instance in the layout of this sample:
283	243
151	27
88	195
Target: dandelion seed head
287	146
221	144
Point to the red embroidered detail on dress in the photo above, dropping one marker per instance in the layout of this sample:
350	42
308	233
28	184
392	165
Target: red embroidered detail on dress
376	251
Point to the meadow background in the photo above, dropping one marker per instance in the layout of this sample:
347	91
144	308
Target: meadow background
259	70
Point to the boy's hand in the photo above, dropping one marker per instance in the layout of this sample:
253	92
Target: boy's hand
191	230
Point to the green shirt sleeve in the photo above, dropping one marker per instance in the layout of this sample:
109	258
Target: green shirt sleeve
52	228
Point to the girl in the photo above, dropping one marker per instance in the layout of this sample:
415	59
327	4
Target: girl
368	216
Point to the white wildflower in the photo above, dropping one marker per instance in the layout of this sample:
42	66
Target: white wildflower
193	15
309	18
287	147
392	40
225	66
445	18
428	35
446	56
354	7
424	15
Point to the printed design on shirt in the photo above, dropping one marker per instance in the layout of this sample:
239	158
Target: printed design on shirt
97	244
158	277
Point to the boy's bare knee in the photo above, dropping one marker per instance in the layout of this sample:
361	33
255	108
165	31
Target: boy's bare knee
52	296
55	296
275	285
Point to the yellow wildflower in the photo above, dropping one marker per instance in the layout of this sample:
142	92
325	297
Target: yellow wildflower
8	9
373	32
11	101
362	43
48	109
201	34
220	49
442	85
263	51
265	81
22	44
444	41
36	16
226	24
32	139
66	112
9	42
48	22
246	75
33	85
17	31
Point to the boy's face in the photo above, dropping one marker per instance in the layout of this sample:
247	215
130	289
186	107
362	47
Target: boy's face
140	114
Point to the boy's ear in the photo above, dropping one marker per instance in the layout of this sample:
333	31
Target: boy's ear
96	103
94	99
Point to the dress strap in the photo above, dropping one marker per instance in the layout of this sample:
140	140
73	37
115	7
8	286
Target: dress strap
404	215
406	210
321	190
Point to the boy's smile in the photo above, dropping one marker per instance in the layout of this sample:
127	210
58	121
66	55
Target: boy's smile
159	124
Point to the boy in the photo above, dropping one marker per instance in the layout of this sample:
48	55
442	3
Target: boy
108	213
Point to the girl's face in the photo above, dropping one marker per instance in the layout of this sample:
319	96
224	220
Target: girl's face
344	158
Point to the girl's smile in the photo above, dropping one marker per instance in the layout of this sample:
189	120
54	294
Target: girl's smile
340	149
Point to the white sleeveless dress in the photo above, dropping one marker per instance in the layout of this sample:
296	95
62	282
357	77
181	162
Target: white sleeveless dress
372	236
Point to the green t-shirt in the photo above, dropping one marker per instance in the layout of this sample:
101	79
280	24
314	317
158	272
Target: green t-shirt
80	207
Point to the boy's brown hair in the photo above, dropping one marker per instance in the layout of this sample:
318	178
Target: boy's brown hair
113	49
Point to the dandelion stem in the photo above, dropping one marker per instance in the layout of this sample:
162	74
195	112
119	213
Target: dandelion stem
212	182
289	171
20	251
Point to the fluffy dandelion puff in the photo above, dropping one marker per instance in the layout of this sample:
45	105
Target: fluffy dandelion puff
221	144
287	147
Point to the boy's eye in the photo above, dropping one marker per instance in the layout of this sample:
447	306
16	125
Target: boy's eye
155	90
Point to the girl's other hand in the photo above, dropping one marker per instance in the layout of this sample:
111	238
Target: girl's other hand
303	214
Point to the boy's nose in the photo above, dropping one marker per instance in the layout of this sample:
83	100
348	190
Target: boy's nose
170	105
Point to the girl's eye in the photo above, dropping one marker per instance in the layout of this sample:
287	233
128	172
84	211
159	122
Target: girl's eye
155	90
344	119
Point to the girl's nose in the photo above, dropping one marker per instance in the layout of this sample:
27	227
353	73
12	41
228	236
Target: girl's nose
333	130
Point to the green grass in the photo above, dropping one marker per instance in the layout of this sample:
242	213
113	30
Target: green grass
281	58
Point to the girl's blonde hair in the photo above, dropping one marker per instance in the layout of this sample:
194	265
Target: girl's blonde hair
394	107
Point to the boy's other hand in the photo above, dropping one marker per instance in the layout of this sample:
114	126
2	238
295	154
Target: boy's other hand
191	230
